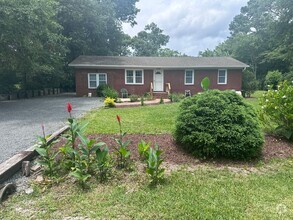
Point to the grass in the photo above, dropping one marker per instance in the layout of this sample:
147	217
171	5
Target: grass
146	119
254	99
203	193
157	119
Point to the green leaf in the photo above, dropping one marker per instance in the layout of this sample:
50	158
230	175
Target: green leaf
205	83
41	151
83	138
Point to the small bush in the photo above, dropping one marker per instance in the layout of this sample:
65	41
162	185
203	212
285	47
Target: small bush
273	78
111	93
142	101
218	124
147	96
176	97
100	90
289	76
133	98
249	83
109	102
277	106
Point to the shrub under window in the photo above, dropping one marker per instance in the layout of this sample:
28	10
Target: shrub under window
218	124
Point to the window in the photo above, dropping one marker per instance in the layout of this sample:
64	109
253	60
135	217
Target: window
134	77
96	79
189	77
222	76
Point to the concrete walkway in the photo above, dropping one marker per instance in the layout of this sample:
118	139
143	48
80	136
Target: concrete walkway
21	120
126	103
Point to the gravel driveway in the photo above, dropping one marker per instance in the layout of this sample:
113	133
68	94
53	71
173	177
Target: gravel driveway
20	120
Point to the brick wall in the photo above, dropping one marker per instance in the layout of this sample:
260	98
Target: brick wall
116	78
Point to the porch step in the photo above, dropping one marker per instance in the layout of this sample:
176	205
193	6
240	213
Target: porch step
158	95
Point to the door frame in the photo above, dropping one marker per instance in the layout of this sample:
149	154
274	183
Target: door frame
154	75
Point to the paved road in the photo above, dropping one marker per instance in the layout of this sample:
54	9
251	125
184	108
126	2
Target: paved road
20	120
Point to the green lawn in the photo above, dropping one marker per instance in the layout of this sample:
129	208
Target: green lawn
254	99
147	119
204	193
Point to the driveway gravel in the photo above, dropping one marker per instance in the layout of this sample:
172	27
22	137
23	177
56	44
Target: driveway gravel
21	120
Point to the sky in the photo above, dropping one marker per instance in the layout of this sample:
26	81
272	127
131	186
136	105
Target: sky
193	25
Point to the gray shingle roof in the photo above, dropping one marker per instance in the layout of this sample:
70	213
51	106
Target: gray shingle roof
155	62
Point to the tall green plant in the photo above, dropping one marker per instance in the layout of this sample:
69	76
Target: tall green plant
143	149
205	83
121	150
277	106
69	150
47	156
154	162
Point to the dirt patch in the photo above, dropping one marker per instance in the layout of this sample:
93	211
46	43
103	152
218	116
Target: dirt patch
277	148
173	154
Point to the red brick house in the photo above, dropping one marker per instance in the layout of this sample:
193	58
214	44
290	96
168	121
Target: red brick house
160	75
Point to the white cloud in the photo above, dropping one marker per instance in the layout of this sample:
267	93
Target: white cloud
192	25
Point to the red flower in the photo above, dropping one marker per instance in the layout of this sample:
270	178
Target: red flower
118	118
69	107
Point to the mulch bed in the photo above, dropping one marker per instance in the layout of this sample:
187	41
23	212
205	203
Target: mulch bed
174	154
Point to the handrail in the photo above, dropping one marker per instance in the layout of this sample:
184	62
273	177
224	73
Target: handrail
151	89
168	88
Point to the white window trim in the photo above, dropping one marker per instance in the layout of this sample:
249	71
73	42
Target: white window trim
97	79
225	76
134	79
192	77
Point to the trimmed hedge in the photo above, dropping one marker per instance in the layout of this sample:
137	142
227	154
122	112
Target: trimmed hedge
218	124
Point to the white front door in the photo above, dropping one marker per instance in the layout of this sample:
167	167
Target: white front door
158	81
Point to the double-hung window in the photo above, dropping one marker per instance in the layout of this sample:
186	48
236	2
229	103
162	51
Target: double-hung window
134	77
189	77
96	79
222	76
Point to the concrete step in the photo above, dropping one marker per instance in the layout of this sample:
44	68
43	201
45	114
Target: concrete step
159	95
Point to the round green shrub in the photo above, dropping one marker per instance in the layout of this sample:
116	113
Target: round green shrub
110	92
101	88
273	78
217	124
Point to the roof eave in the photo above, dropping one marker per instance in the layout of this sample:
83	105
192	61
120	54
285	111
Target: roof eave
92	66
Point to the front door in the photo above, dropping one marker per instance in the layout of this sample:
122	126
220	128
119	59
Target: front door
158	81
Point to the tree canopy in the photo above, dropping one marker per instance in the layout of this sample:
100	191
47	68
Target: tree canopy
31	46
261	36
149	41
38	38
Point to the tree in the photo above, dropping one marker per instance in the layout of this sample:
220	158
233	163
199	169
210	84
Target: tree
249	83
273	78
149	41
125	10
94	28
261	36
222	50
167	52
31	45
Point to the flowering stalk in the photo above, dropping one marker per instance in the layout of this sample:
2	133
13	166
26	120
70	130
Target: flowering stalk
69	109
120	129
122	152
43	129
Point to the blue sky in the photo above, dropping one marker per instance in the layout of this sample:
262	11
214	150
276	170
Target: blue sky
192	25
